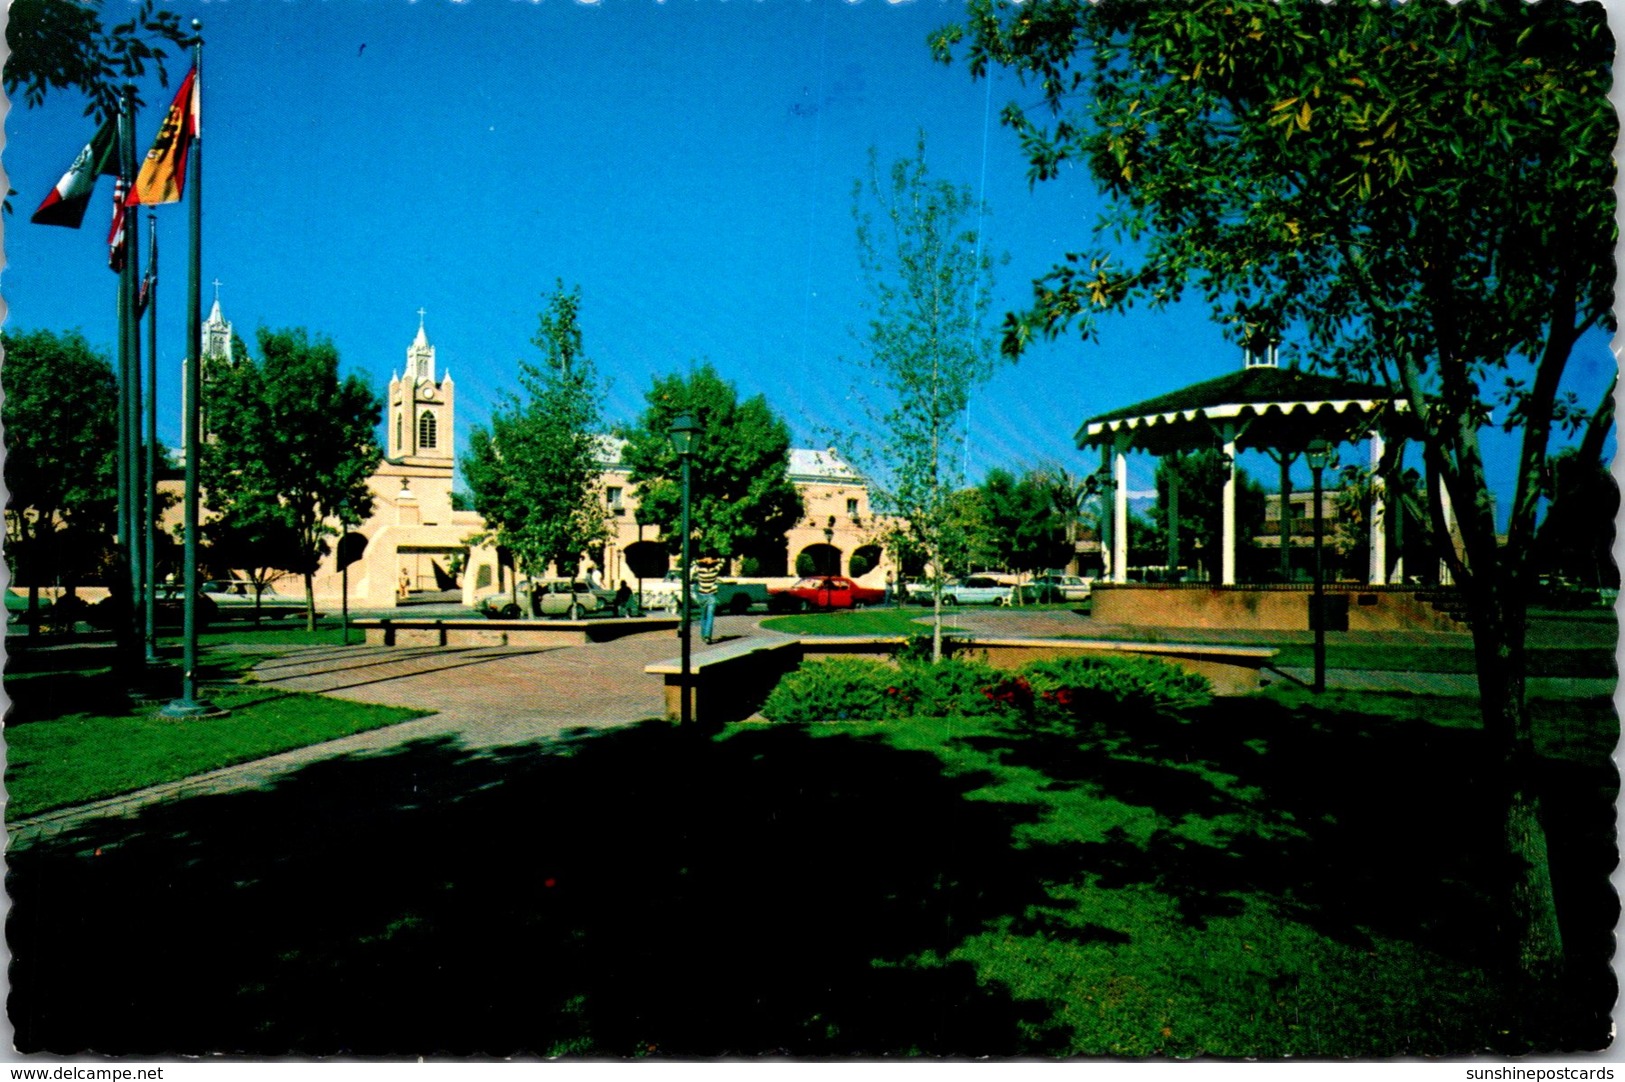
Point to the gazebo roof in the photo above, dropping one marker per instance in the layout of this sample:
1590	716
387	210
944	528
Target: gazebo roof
1269	407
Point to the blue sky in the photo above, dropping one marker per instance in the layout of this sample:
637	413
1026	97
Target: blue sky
689	164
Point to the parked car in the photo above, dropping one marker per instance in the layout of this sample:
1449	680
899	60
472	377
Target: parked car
234	599
826	592
561	597
1051	588
662	593
735	597
169	609
976	590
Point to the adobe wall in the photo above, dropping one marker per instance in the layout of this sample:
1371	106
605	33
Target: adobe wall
1261	609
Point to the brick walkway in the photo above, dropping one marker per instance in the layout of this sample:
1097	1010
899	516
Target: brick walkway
483	697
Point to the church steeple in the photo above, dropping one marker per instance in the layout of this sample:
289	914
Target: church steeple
217	350
421	407
420	355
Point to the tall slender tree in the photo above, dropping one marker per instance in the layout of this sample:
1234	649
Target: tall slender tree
533	473
928	285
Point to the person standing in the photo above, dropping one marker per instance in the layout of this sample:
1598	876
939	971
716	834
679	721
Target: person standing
707	570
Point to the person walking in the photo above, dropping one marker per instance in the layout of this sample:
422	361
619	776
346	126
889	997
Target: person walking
707	570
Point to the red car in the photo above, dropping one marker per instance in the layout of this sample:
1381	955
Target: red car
829	592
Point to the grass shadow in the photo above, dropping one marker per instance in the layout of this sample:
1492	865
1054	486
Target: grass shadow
1355	824
638	892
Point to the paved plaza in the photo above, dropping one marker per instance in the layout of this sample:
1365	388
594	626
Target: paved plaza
491	698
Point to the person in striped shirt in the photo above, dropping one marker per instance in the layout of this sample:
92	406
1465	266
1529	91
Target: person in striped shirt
707	570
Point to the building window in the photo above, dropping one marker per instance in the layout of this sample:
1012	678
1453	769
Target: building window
612	498
426	429
397	433
852	507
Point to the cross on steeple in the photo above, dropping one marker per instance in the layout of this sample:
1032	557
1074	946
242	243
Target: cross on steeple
217	291
420	318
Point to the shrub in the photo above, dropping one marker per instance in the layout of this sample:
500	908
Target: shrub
859	565
837	689
1070	689
806	566
953	687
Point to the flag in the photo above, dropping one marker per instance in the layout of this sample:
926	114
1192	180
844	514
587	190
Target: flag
115	232
163	175
149	280
67	202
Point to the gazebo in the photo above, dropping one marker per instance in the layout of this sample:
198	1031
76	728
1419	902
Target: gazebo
1262	407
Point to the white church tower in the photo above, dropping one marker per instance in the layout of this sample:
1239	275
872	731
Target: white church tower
421	409
217	350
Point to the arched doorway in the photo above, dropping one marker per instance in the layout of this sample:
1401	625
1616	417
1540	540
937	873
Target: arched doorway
646	559
865	558
819	559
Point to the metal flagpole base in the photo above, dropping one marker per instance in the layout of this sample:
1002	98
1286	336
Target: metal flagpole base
191	710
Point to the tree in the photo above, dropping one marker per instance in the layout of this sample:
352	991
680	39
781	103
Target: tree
61	474
742	498
255	540
289	450
533	474
928	287
1422	193
62	45
1067	494
1199	479
1028	532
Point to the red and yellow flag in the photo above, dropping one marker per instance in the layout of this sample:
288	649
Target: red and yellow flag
163	175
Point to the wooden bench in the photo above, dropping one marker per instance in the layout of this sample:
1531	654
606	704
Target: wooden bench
426	631
728	682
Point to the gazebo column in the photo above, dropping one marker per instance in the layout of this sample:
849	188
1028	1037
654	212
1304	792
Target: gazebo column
1446	576
1227	555
1120	512
1378	575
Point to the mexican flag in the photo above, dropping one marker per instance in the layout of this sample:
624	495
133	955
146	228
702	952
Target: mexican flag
67	202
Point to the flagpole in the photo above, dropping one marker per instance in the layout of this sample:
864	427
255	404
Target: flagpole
189	705
132	403
149	484
128	435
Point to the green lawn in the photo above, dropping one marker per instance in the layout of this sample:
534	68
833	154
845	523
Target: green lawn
871	621
74	735
1277	876
1547	661
1209	884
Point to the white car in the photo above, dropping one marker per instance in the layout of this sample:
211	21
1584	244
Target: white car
1047	588
662	593
976	590
234	600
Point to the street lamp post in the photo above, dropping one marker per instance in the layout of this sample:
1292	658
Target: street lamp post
682	433
1320	455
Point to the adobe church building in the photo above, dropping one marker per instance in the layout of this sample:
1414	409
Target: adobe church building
414	543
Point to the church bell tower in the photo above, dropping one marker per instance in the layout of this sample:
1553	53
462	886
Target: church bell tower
421	408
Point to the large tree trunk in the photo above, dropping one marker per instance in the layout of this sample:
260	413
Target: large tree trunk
310	601
1534	951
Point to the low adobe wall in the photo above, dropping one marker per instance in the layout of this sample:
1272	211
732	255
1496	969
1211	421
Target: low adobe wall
429	632
730	682
1261	608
